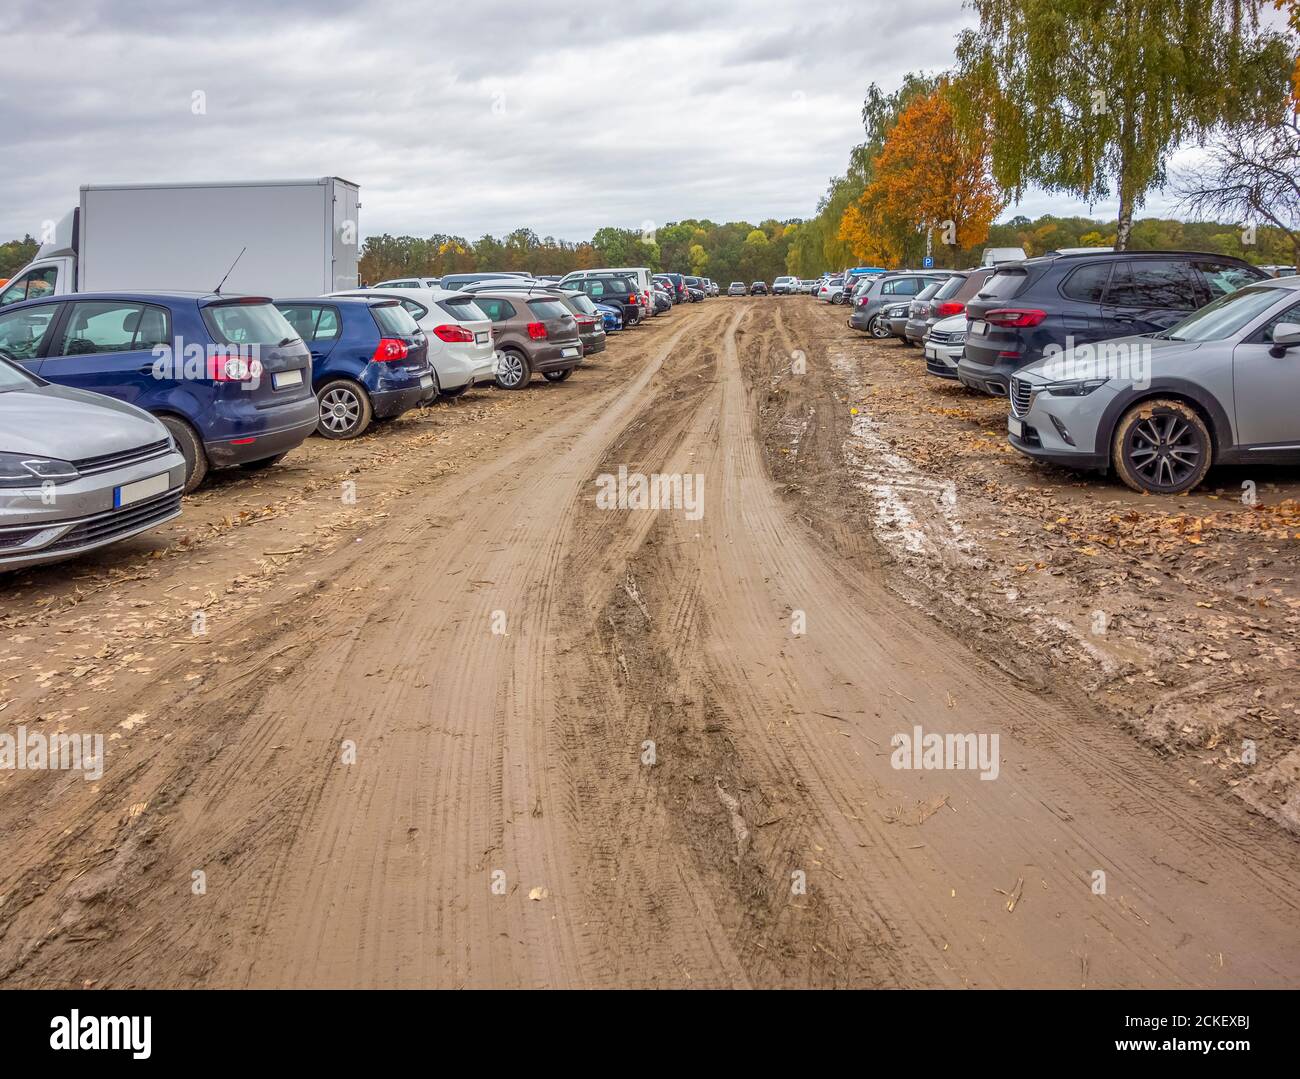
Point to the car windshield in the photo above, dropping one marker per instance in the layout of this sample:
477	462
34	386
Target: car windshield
13	377
248	324
1226	316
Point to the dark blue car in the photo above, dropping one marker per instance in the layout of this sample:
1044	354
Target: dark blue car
369	359
226	374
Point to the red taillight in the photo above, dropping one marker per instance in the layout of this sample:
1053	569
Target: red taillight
453	333
234	368
586	320
390	349
1015	317
632	299
949	308
537	331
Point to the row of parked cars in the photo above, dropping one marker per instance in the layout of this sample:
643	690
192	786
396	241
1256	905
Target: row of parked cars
1153	364
113	405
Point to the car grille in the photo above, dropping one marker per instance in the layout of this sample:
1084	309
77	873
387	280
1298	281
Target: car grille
1022	395
943	337
88	466
104	527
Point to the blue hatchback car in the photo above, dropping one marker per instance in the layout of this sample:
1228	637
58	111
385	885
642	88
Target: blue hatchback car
369	359
612	317
226	375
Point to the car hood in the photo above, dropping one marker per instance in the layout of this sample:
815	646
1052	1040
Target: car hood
951	324
58	421
1115	357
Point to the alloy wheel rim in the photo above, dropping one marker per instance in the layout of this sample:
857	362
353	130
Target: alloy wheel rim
512	369
878	328
1164	450
340	410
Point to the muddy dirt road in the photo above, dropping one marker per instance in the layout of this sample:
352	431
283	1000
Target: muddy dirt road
450	722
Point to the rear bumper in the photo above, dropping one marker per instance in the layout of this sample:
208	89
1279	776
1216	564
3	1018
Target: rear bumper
993	379
551	357
294	424
860	319
388	403
914	330
593	343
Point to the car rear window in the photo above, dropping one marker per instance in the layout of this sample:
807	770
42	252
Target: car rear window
548	308
1004	285
949	288
583	303
393	318
464	310
248	324
929	291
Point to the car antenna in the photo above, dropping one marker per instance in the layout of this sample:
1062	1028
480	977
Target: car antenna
217	290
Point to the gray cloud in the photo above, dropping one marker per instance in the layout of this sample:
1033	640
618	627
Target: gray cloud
462	118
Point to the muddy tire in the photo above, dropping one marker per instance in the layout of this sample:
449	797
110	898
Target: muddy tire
1161	447
191	447
344	410
557	376
513	370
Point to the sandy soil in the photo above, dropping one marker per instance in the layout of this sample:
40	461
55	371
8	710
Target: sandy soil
452	723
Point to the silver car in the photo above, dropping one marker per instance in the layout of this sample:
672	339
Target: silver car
944	345
1219	387
78	470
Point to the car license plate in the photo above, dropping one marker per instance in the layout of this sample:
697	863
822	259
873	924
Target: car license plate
978	326
568	352
480	338
281	379
140	490
1015	427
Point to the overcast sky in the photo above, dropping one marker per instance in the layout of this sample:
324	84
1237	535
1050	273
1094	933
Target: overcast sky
464	118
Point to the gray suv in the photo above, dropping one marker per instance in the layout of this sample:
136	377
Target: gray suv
871	298
1219	387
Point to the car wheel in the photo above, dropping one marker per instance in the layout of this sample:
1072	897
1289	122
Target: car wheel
557	376
345	410
191	447
838	298
877	328
1162	447
513	371
265	462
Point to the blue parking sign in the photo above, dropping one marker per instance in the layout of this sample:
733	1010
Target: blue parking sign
927	263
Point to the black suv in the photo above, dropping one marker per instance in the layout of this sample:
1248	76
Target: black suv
1027	306
614	291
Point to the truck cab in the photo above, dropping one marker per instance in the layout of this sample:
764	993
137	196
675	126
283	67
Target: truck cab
52	272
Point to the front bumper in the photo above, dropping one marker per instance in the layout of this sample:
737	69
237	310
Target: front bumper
1064	430
942	360
83	516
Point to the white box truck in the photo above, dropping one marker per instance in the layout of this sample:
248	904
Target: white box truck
297	238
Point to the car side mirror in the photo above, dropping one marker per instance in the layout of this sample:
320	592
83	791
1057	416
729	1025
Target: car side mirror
1285	335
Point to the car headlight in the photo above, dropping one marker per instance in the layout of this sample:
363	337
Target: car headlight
1080	388
25	470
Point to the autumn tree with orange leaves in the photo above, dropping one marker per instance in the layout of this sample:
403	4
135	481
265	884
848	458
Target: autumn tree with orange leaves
928	176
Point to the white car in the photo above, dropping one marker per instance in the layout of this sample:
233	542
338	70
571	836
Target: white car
831	290
944	345
461	348
410	282
785	286
642	276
